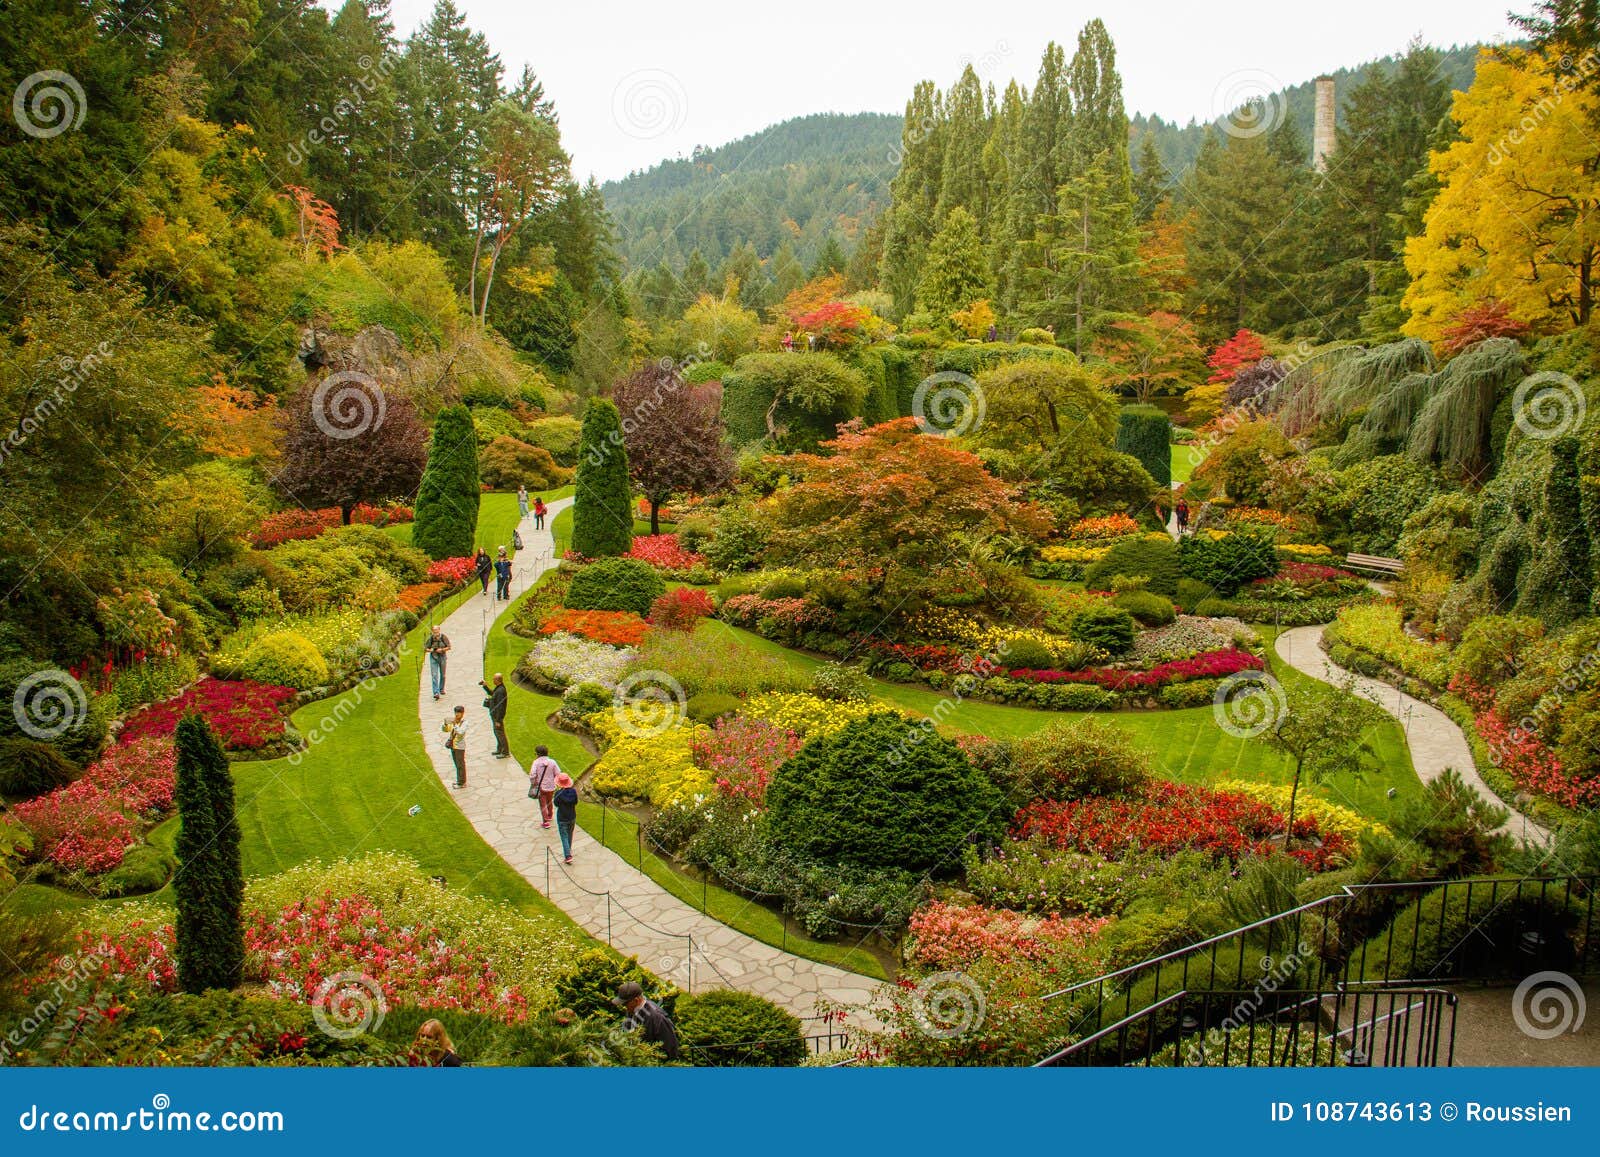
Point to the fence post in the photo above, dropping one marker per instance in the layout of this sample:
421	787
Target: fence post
547	871
603	810
688	963
638	831
702	895
608	917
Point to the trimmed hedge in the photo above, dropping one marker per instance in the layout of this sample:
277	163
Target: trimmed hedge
1155	558
817	391
1146	433
725	1028
616	584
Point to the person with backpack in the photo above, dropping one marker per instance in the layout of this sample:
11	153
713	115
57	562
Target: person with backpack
502	577
484	567
566	803
538	513
496	703
1182	513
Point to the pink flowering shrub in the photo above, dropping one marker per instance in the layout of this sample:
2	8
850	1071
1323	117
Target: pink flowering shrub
662	551
742	753
88	825
789	616
1208	665
945	936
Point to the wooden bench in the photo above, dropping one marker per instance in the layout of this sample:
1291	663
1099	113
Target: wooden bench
1374	563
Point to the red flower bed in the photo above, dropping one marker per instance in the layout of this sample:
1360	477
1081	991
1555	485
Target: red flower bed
743	753
1171	817
1311	572
245	715
618	628
662	551
294	951
945	936
454	571
1517	749
286	525
1208	665
89	824
681	608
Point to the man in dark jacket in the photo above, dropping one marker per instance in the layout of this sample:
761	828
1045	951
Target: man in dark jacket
648	1017
496	703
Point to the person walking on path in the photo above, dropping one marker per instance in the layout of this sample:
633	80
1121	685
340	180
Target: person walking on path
496	703
1182	511
484	567
538	513
438	646
647	1018
522	501
502	577
788	342
566	801
542	782
455	739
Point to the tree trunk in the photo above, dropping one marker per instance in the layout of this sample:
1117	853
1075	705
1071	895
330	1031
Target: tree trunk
494	261
345	510
1294	793
472	274
655	517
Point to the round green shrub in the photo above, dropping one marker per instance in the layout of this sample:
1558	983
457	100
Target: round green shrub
286	658
507	463
694	530
1029	654
724	1027
1191	594
589	987
784	586
616	584
882	792
1036	335
586	699
1212	608
841	681
1154	558
1146	433
1225	564
29	768
1150	609
709	706
144	868
1103	625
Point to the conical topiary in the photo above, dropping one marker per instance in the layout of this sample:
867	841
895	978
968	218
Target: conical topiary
446	524
602	510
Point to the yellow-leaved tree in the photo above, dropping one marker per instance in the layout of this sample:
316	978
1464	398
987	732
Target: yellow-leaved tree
1517	215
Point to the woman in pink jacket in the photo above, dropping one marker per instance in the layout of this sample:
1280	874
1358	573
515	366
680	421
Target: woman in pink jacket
542	782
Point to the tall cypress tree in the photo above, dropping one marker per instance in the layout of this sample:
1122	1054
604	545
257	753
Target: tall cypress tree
602	511
447	501
209	884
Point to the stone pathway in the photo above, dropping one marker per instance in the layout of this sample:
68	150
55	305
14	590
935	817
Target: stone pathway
611	900
1435	741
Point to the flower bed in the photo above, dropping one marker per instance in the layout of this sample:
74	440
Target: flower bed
741	753
1207	665
1172	817
787	617
288	525
558	661
807	715
615	628
1108	526
1517	750
663	552
1331	817
418	597
1377	629
330	632
656	767
88	825
454	571
1188	636
681	608
245	715
945	936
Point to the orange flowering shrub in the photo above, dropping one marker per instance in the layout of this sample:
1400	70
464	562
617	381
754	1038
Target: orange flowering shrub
1106	526
417	596
618	628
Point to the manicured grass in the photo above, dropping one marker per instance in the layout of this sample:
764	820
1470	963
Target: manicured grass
561	531
1183	462
526	727
497	518
1187	745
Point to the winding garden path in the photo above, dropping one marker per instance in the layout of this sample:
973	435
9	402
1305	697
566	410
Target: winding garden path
1435	741
600	891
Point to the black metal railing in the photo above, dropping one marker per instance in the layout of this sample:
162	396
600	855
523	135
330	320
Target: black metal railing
1414	935
1364	1027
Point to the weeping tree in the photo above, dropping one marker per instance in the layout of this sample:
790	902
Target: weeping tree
1452	428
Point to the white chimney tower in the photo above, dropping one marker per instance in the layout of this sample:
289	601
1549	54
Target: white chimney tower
1322	129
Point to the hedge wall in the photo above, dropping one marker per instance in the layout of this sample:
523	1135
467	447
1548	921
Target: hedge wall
1146	433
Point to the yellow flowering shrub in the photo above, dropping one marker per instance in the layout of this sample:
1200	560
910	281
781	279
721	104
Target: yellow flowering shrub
1074	554
658	768
1304	549
1330	817
807	715
942	623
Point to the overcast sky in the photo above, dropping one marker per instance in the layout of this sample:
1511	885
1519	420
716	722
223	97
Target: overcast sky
637	82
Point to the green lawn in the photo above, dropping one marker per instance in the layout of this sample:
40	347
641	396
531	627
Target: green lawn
497	518
1187	745
1183	462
